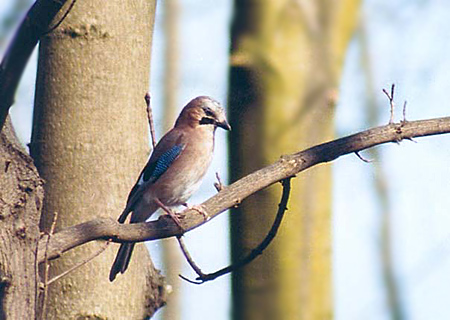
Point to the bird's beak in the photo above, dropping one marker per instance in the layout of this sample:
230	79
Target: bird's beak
224	125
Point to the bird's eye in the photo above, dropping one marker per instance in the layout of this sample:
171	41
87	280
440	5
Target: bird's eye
209	113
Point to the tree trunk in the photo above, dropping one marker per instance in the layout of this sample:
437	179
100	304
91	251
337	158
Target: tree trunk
286	59
171	253
21	196
89	142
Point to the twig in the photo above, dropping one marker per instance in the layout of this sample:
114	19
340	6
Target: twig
150	119
391	102
80	264
46	266
218	185
404	111
362	158
282	207
189	259
404	121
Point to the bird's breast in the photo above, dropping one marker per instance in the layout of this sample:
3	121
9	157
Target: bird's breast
185	175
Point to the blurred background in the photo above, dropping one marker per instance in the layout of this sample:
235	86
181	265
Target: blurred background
389	235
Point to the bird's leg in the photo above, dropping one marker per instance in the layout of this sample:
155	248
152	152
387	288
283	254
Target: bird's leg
199	208
170	213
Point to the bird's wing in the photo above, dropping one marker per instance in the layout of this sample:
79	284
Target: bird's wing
165	153
154	170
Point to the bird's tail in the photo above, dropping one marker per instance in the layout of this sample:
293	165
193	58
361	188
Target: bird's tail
122	260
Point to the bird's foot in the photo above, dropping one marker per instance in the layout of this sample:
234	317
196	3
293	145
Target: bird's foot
175	219
170	213
200	209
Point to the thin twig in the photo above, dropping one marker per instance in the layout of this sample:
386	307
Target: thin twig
362	158
404	111
150	119
80	264
282	207
46	266
218	185
391	102
188	257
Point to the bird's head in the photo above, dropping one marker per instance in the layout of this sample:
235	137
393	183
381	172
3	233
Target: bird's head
203	111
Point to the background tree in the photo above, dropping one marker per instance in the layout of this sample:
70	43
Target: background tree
381	187
172	257
286	61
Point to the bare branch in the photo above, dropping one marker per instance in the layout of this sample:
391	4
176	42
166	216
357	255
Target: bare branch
391	102
287	166
150	119
79	264
404	111
362	158
191	262
33	26
45	282
282	207
218	185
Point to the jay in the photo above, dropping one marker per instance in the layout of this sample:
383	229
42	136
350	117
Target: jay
175	168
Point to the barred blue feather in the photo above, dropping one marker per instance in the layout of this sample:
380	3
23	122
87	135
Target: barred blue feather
156	169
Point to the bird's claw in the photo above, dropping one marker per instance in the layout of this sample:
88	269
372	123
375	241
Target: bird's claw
176	220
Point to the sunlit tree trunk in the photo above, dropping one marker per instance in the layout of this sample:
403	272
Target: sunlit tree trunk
171	252
89	142
286	60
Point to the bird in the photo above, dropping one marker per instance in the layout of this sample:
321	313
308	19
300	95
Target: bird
174	170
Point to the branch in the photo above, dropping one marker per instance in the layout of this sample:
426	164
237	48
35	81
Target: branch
34	25
203	277
287	166
390	96
150	119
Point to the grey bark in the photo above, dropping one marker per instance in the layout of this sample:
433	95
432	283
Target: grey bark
21	195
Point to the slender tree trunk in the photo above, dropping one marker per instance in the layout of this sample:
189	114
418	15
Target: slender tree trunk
286	59
171	251
89	142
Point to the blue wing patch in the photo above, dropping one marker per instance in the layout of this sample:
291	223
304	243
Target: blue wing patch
157	168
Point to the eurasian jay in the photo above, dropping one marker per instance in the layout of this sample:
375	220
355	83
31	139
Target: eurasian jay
175	168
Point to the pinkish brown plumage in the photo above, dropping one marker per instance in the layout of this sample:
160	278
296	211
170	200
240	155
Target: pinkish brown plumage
175	169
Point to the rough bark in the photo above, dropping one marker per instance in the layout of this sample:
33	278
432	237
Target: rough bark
21	196
285	59
89	141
